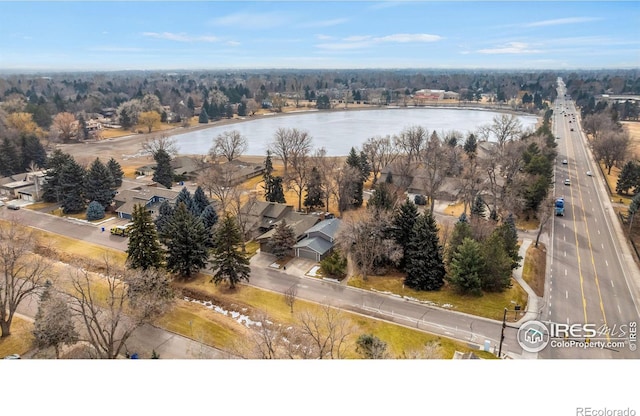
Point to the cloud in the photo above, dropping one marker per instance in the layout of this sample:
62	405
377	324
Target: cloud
563	21
324	37
324	23
510	48
116	49
356	42
254	21
180	37
233	43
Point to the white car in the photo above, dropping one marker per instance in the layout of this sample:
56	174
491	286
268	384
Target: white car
567	182
589	173
564	162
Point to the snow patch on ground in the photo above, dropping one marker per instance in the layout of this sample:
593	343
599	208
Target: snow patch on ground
237	316
314	271
274	265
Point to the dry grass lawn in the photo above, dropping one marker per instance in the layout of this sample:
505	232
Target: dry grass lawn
21	339
490	305
534	269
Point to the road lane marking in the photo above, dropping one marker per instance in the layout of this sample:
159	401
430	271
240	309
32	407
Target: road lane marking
607	263
566	294
619	311
598	232
611	283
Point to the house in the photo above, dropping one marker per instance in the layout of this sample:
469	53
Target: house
149	196
299	222
242	171
318	240
261	216
26	186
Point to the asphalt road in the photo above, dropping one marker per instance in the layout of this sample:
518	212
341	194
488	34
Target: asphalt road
591	277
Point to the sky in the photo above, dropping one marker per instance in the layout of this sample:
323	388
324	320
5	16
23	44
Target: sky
164	35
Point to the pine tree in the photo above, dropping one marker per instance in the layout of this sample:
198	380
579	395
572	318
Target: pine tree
228	261
186	241
471	146
116	172
283	240
403	222
478	207
71	187
383	198
52	188
629	178
165	213
32	151
144	250
53	325
461	230
204	117
466	268
277	193
355	162
509	236
95	211
496	276
99	184
315	194
8	158
209	218
185	197
424	263
164	172
200	201
267	177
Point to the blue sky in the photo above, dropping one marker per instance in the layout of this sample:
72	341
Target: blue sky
95	35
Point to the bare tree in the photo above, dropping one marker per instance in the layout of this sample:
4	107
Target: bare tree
110	317
411	141
326	331
362	235
230	145
54	326
63	124
545	212
381	152
162	142
290	296
611	148
435	165
149	119
219	181
597	123
328	168
288	144
504	128
23	273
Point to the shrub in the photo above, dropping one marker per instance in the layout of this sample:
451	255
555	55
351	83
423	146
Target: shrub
95	211
334	265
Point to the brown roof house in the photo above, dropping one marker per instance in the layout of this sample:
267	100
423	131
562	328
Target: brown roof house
260	216
299	222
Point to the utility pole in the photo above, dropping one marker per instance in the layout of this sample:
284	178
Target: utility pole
504	325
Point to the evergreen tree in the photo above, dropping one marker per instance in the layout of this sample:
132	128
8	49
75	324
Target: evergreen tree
209	218
228	261
53	324
165	213
125	119
277	193
371	347
185	197
496	276
283	240
383	199
315	194
186	241
164	172
478	207
83	131
204	117
267	177
32	151
403	222
629	178
424	263
9	161
509	236
144	250
467	267
95	211
355	161
99	184
116	172
200	201
52	188
471	146
71	187
461	230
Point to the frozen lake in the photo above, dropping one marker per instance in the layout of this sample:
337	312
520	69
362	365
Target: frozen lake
340	130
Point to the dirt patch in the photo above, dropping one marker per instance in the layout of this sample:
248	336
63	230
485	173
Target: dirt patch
533	271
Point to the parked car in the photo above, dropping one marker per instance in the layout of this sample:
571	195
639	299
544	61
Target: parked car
13	206
589	173
12	357
564	162
567	182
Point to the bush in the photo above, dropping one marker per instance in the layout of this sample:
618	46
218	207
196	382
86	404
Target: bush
420	200
334	265
95	211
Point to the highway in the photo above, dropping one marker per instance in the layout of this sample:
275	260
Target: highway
591	278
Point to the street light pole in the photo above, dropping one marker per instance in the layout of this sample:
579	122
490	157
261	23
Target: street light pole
504	325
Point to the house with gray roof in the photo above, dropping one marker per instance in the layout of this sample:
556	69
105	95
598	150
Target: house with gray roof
148	196
299	222
318	240
261	216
